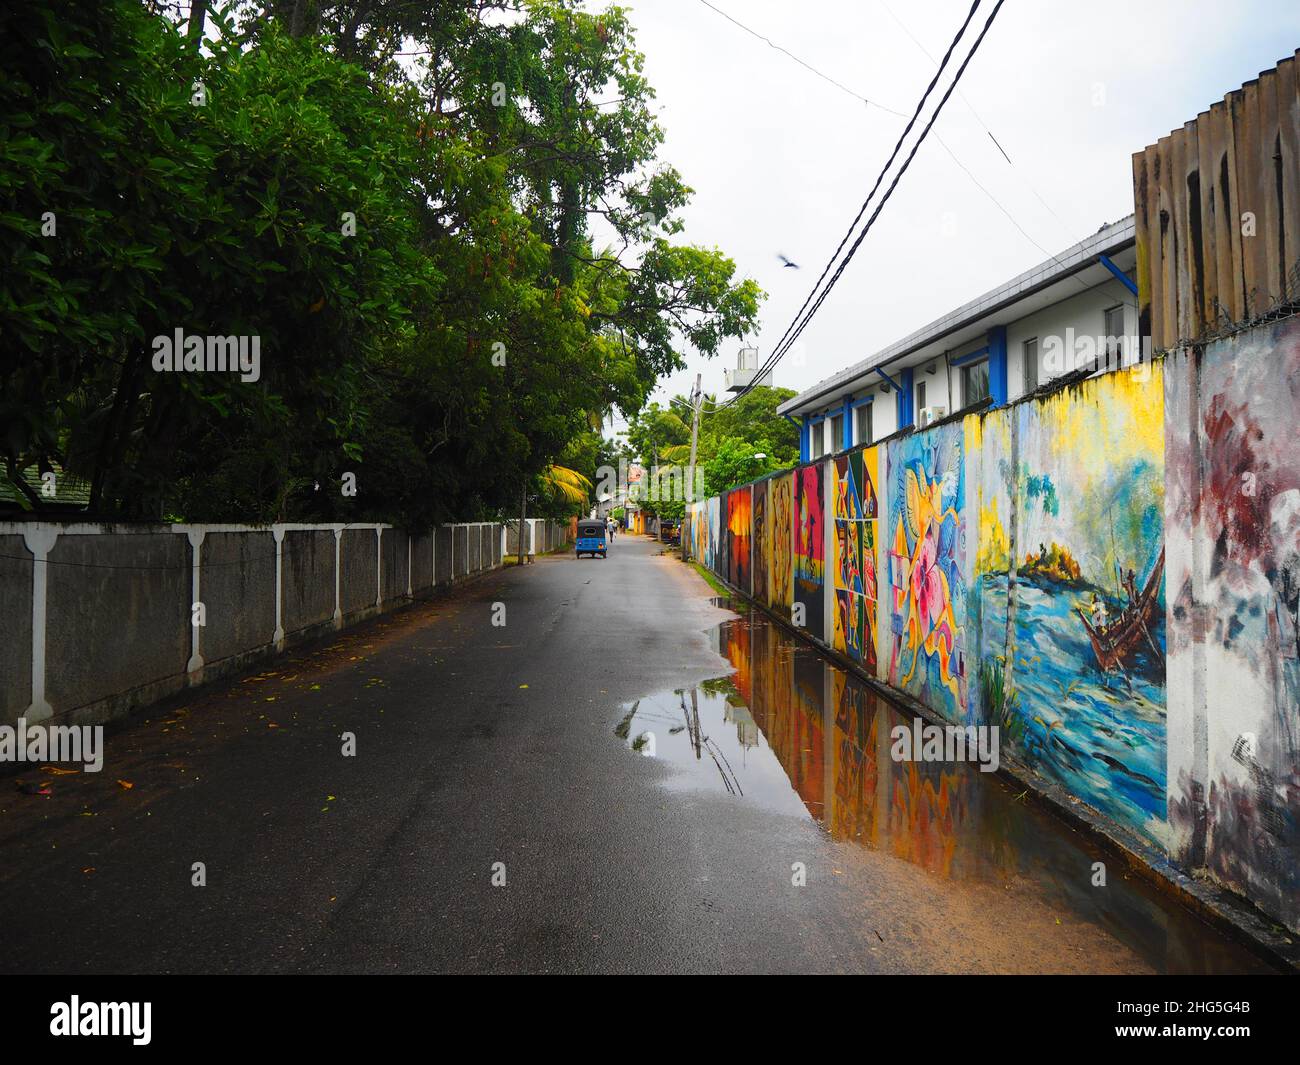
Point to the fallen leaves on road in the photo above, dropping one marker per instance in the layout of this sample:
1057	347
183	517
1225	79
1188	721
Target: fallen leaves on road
125	785
39	787
59	771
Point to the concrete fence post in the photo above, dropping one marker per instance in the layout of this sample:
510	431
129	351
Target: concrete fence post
195	665
39	540
379	564
338	576
277	531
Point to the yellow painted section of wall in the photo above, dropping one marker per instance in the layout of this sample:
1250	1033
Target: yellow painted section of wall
988	439
994	552
1131	406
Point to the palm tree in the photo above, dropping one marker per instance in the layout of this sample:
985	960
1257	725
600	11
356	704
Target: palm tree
569	485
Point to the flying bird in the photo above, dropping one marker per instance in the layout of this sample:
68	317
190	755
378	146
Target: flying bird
786	262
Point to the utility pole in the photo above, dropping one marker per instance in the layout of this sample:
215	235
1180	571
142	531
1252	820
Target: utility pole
697	401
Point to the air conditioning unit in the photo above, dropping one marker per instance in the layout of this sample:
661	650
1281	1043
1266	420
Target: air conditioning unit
746	375
930	415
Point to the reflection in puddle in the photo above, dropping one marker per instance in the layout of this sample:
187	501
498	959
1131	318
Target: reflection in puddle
793	733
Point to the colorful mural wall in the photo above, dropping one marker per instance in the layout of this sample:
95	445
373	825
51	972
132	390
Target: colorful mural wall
780	494
720	544
761	544
927	580
809	549
740	516
714	535
1110	574
1232	511
989	443
696	531
853	567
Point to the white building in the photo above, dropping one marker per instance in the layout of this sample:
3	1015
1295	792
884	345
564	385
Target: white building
1041	325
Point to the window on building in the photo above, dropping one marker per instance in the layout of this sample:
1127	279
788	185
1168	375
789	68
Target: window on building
920	397
864	433
1114	336
975	382
1030	355
818	433
837	433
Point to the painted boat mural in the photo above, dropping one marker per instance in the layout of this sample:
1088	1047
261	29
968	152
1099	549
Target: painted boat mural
1117	642
1086	500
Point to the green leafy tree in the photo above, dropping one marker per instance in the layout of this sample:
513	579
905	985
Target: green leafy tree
731	436
736	462
753	417
656	431
412	252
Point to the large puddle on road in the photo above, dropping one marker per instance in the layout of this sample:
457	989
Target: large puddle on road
792	732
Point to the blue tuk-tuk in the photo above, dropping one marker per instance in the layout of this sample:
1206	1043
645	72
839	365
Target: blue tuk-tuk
591	538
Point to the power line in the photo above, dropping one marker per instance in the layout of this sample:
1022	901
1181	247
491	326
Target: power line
953	155
772	359
926	53
889	110
789	337
893	185
971	108
808	66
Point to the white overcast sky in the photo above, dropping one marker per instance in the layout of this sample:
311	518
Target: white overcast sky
780	160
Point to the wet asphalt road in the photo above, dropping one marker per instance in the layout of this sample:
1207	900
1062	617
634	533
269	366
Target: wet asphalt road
477	745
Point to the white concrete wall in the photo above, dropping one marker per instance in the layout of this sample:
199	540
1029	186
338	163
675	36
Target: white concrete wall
115	617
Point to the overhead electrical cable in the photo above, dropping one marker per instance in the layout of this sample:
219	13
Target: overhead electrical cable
808	66
988	23
942	143
879	178
797	326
